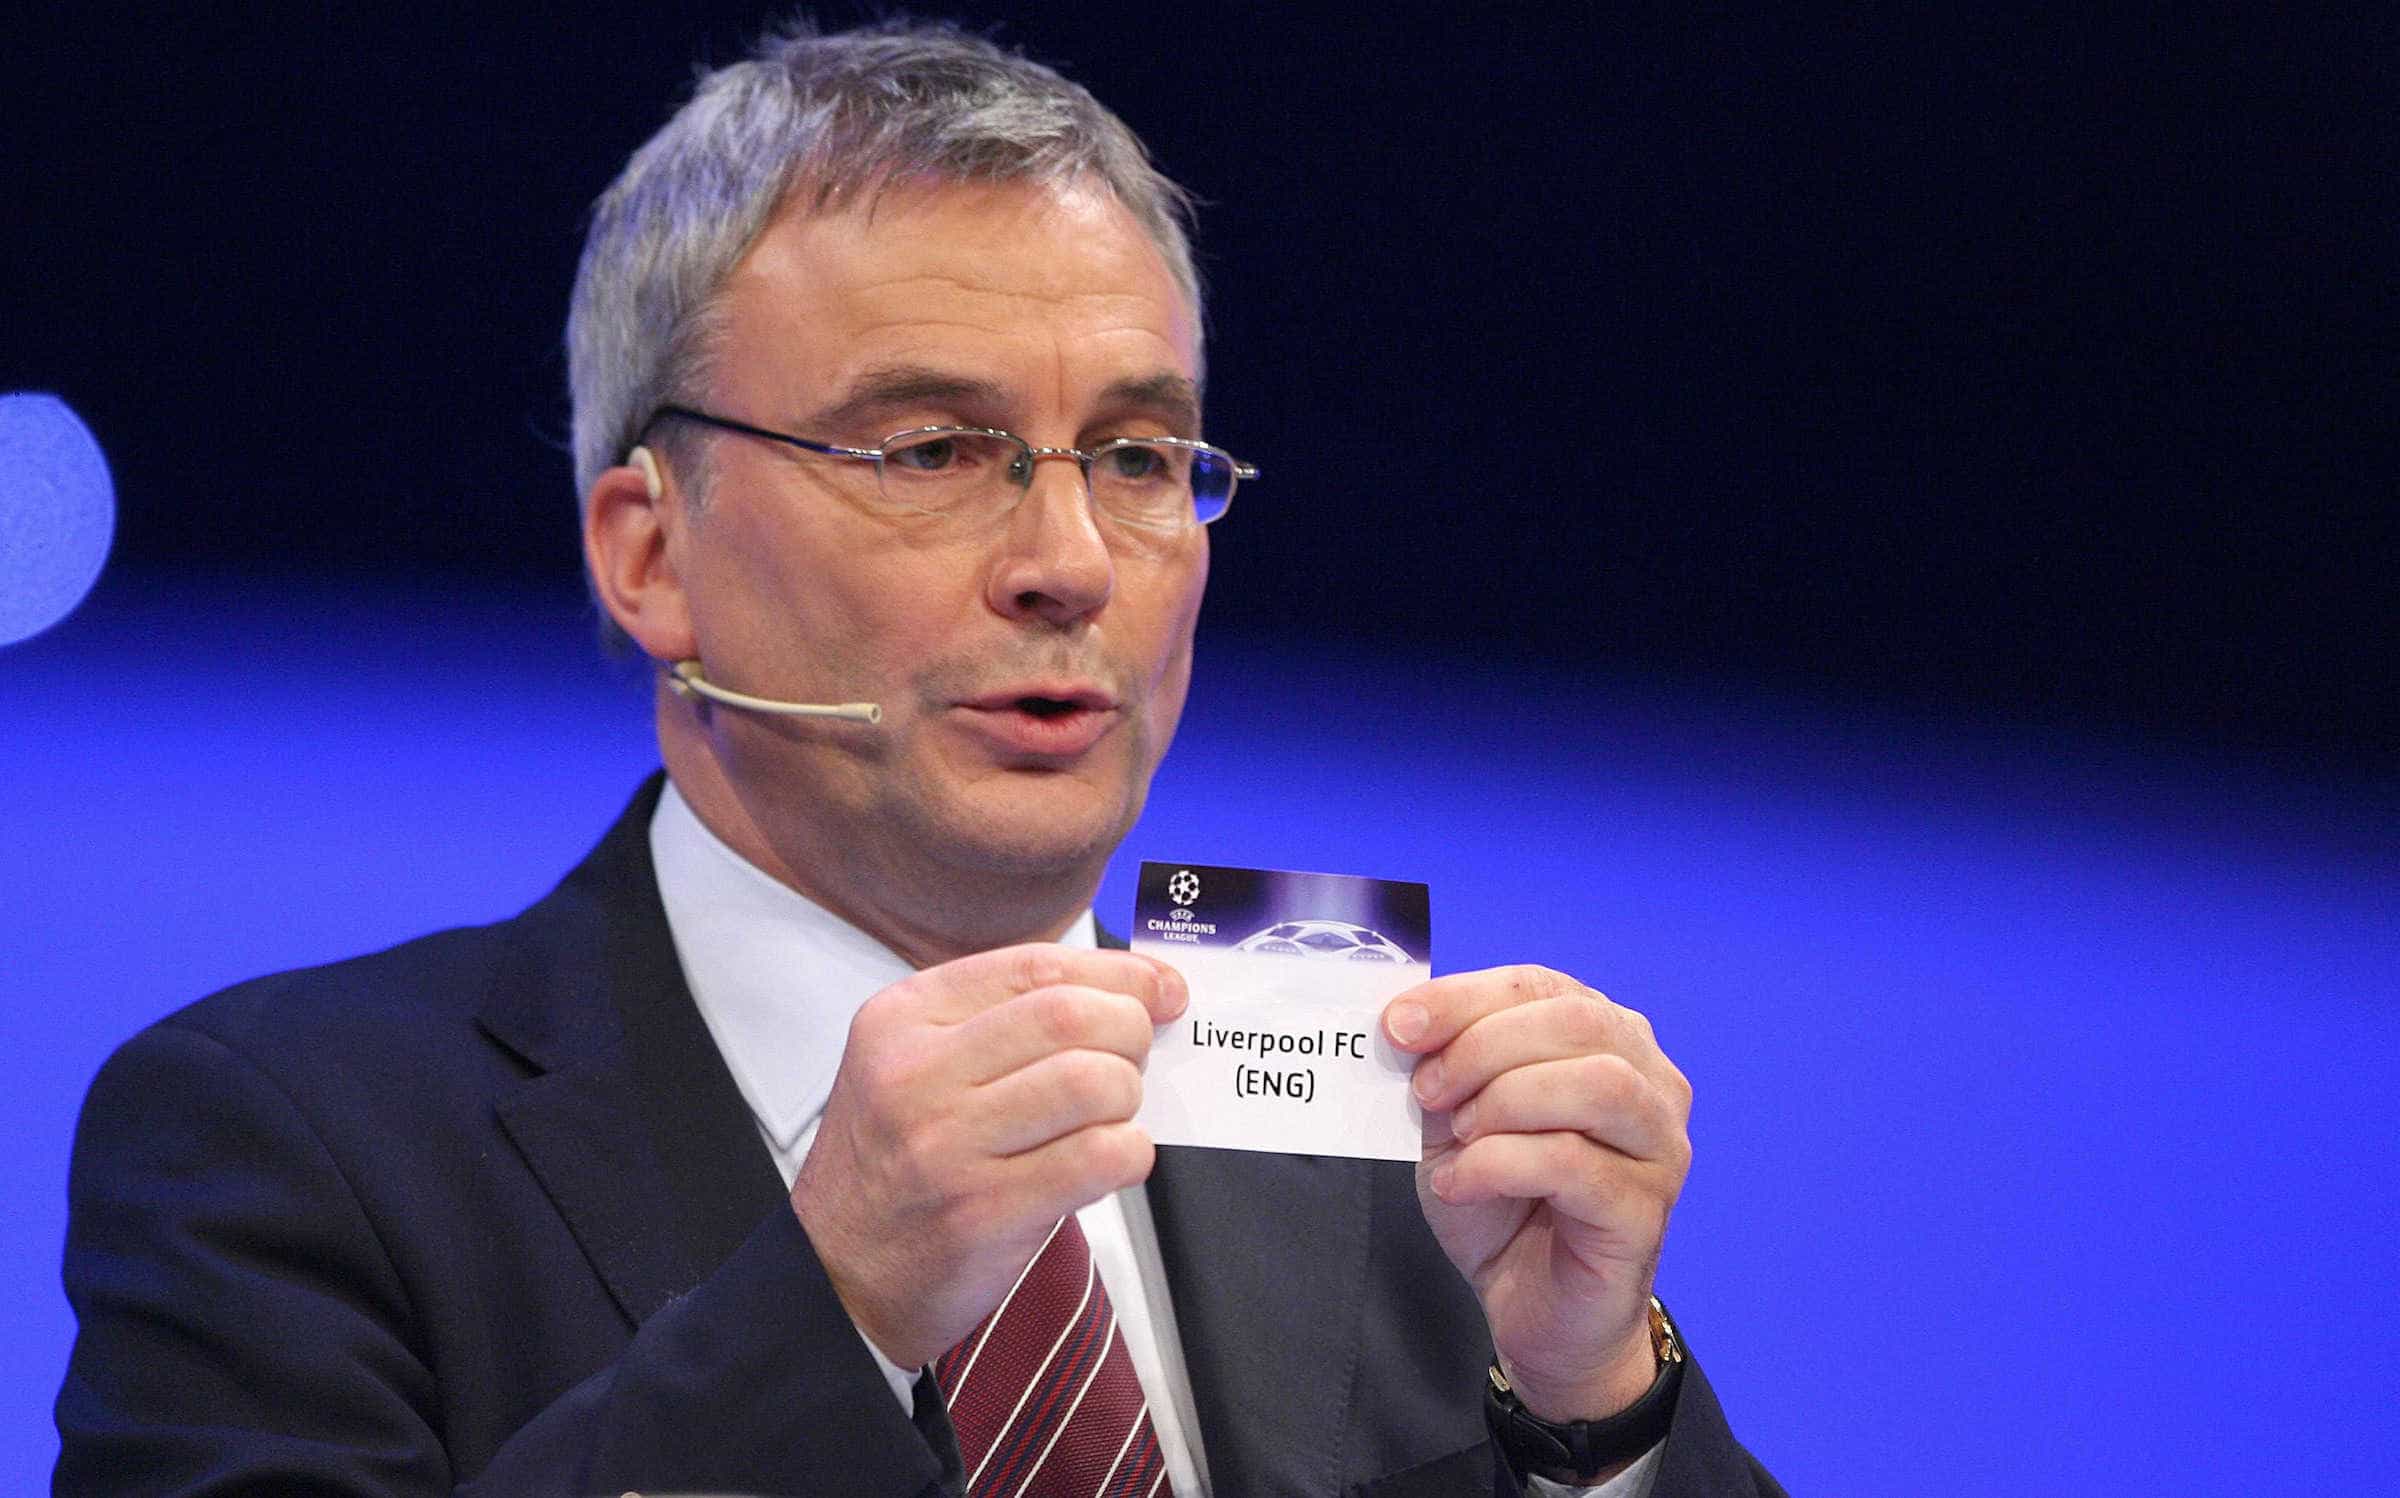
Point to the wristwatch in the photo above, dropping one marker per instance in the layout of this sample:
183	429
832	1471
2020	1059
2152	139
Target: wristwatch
1578	1451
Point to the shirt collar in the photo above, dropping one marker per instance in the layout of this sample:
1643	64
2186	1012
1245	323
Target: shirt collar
776	976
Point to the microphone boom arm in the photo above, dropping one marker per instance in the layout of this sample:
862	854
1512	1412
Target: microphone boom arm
685	680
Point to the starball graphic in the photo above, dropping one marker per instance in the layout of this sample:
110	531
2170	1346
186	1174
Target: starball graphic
1184	887
1317	937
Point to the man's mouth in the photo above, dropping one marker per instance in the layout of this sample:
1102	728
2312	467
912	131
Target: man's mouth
1051	721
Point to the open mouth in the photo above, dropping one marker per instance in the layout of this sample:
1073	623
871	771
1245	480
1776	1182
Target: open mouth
1041	724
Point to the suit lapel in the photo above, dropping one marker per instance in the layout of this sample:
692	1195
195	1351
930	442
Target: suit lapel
632	1123
1258	1251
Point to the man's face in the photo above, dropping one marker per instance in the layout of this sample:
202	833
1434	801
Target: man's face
1031	665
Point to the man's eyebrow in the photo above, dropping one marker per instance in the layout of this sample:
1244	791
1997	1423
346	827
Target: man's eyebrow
1169	395
894	387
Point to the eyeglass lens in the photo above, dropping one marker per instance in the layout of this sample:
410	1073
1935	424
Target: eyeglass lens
1142	482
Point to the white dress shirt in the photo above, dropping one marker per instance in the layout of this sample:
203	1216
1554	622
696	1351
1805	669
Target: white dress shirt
778	979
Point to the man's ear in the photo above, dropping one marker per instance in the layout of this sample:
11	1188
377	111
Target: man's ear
627	520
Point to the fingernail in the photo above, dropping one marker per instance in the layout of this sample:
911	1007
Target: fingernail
1175	995
1462	1120
1441	1178
1429	1079
1406	1022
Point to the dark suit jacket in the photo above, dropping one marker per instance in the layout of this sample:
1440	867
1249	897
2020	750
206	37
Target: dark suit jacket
485	1214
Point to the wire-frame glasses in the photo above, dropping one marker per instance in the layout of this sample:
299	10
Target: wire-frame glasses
1159	483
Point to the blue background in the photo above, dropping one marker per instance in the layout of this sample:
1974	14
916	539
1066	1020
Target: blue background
2045	1103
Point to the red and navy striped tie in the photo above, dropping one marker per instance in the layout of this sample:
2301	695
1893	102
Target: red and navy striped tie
1043	1395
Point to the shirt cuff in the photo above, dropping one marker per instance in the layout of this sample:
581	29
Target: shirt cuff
904	1380
1634	1482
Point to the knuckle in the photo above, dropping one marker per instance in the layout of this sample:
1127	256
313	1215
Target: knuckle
1058	1014
1591	1020
1125	1084
1121	1023
1136	1047
878	1072
1134	1153
880	1013
1463	1057
1531	981
1498	1098
1100	1085
1044	1012
920	1147
1663	1206
1038	966
1114	1155
1613	1074
1679	1159
1485	1155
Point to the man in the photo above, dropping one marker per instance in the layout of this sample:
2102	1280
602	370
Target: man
886	364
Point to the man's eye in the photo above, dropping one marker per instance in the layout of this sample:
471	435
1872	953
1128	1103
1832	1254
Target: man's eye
1135	464
934	455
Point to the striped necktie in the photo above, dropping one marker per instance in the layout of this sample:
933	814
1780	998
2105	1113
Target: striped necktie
1043	1395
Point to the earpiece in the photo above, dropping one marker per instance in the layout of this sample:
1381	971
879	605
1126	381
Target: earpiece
640	458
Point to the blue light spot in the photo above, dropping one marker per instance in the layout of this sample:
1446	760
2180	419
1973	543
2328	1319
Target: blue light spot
58	513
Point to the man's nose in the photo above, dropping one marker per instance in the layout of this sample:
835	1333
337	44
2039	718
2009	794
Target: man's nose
1053	564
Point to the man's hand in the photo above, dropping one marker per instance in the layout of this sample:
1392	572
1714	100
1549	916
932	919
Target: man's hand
1554	1150
978	1102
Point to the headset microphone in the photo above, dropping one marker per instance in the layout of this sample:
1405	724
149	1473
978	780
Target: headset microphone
685	676
685	679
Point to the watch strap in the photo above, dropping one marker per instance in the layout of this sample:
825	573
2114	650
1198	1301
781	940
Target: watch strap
1578	1451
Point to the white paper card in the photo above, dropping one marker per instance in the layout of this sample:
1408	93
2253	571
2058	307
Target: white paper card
1283	1046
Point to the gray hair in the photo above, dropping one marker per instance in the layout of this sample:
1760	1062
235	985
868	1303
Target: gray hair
838	118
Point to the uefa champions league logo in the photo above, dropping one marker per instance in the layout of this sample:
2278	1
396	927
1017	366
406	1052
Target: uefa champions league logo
1183	887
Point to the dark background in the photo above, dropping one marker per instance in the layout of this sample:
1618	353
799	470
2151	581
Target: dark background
2032	371
1865	535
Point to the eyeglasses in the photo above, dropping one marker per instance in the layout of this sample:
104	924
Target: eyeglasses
1160	483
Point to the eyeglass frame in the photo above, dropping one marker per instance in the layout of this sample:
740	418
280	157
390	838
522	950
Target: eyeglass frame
1084	458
